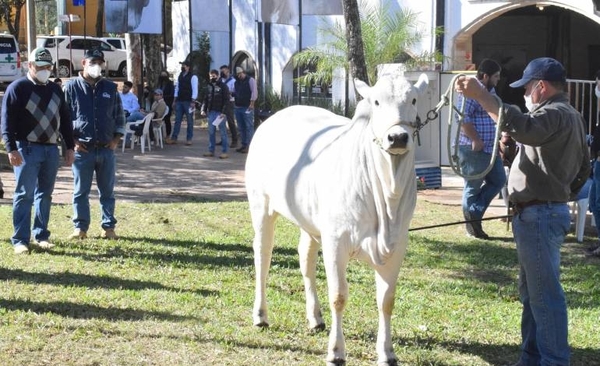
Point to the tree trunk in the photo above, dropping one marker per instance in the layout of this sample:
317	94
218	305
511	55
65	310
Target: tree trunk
152	57
134	61
100	19
356	52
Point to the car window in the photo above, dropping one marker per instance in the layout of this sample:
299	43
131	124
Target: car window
7	45
104	46
77	44
86	44
114	42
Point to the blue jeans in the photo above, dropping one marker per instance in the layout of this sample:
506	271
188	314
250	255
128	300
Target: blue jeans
477	196
595	196
34	184
135	116
182	108
212	129
101	161
539	232
245	123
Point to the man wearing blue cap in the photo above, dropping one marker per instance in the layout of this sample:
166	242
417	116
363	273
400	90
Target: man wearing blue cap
98	123
34	112
550	168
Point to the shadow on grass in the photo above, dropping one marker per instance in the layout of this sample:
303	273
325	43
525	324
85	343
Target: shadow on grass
238	255
87	281
498	264
494	354
86	311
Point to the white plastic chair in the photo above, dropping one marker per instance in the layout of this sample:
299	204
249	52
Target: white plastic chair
582	208
145	138
157	127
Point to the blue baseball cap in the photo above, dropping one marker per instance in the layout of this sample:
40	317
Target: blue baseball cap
94	54
543	68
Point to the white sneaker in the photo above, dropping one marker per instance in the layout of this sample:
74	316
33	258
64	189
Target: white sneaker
21	249
42	244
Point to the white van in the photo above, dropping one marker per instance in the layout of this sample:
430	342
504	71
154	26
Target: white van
10	59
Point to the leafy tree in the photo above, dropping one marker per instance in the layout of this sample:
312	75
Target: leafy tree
387	37
45	15
10	14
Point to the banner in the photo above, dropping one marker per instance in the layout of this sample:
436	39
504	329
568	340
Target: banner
279	11
210	15
115	16
145	16
322	7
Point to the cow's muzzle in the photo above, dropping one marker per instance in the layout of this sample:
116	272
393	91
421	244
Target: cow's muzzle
398	140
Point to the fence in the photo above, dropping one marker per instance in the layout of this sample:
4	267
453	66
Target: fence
582	97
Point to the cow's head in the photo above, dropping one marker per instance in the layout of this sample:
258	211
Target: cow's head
393	110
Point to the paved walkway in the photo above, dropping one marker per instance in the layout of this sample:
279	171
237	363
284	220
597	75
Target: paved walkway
175	173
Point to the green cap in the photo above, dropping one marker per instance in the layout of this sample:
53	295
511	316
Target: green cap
41	57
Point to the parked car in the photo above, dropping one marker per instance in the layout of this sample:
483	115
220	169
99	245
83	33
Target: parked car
61	48
10	59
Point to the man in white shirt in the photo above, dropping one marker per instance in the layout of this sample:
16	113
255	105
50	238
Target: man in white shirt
130	103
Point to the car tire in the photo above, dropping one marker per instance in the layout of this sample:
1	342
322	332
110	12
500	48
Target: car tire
122	72
64	67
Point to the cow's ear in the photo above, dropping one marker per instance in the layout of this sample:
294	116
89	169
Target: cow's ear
362	88
421	84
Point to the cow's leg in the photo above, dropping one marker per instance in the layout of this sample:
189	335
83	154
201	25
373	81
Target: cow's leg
386	277
309	251
264	228
336	259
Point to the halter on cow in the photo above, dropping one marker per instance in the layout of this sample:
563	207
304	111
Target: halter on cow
351	188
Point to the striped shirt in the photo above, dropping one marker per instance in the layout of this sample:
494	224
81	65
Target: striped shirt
481	120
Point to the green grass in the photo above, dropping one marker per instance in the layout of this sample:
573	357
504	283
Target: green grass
178	289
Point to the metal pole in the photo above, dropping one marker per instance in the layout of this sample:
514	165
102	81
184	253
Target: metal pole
31	32
70	49
191	32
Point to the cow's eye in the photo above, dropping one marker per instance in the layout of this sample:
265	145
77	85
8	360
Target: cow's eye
414	101
377	103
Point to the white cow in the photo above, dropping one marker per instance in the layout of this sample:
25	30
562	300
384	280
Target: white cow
351	188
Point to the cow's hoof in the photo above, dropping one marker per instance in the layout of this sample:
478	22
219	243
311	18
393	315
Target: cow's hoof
262	324
317	328
336	362
392	362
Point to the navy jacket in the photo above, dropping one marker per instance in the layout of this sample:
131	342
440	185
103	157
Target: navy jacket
96	110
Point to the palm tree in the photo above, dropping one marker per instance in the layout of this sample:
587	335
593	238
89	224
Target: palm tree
387	38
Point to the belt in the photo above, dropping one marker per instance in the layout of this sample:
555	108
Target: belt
520	206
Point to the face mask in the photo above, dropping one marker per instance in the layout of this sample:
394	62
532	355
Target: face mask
529	104
597	92
213	79
94	71
183	69
42	76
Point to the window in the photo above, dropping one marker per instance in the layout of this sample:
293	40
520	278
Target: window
7	45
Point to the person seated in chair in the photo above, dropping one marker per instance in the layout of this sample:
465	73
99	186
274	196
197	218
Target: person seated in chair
131	106
158	108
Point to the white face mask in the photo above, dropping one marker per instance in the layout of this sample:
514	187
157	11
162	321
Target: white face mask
42	75
94	71
597	91
529	104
